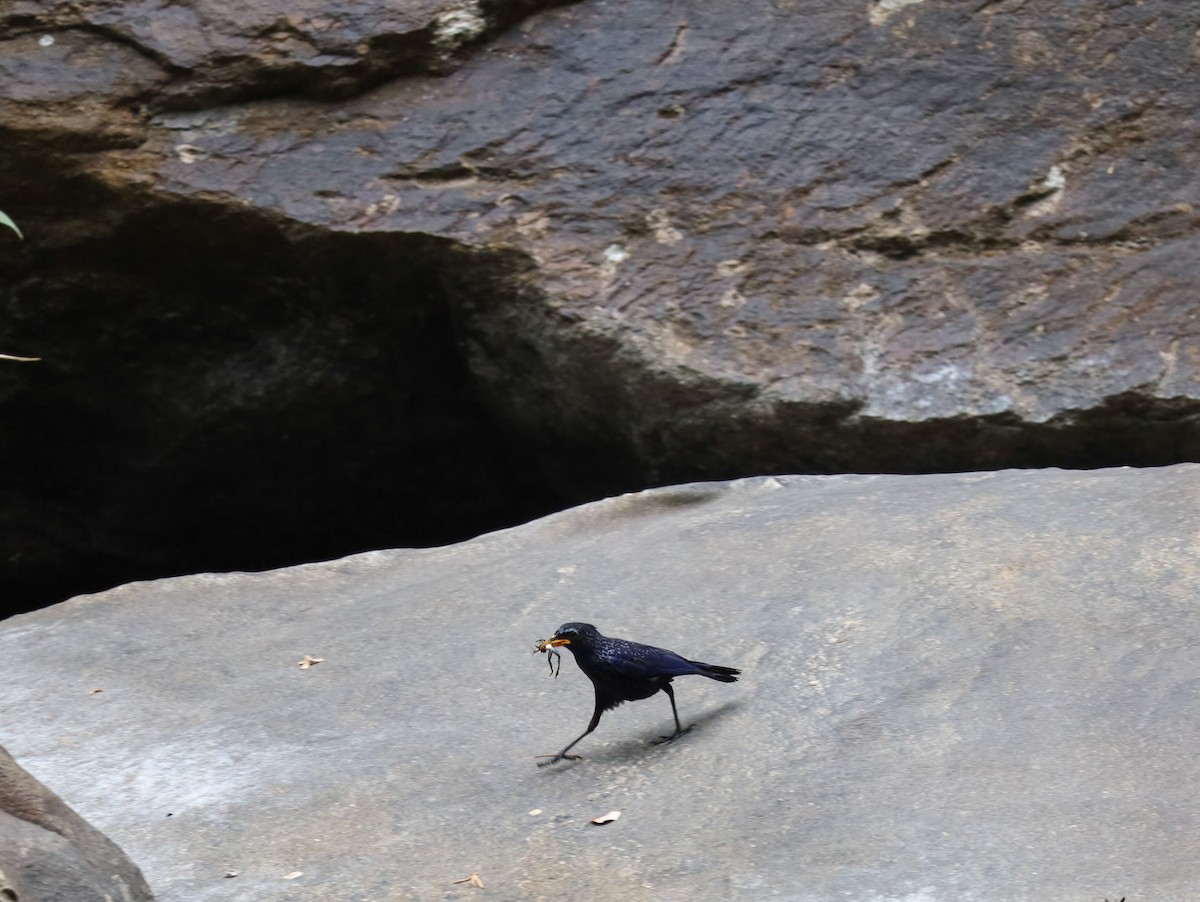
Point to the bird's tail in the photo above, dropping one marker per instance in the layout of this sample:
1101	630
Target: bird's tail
716	672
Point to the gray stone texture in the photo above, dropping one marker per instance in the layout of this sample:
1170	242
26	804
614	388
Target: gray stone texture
48	853
956	687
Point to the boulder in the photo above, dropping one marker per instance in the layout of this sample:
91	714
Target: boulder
48	853
964	686
308	281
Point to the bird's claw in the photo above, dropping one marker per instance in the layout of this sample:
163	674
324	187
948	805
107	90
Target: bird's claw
663	740
554	759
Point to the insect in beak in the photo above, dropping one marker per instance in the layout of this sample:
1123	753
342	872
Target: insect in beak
547	647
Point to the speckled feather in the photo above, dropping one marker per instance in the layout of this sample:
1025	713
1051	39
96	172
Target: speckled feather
624	671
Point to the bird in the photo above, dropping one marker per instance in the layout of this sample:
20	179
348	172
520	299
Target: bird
624	671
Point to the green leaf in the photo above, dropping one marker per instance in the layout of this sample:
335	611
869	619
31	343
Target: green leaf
4	220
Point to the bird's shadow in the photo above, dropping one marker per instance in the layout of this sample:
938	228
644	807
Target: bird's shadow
629	751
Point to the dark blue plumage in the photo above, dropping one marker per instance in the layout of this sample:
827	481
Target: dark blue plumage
624	671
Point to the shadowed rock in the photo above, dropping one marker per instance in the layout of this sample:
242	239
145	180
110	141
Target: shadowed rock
307	281
974	686
48	853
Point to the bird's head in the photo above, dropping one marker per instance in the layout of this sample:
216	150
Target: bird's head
574	635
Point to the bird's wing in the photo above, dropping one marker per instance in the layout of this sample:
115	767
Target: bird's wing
633	660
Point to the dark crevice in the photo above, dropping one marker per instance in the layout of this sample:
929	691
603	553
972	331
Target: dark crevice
901	246
904	247
456	172
219	391
225	390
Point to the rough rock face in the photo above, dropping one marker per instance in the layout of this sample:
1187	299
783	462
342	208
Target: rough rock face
956	687
323	279
48	853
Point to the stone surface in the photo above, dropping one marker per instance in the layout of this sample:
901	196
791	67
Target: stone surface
957	687
210	52
48	853
930	214
529	254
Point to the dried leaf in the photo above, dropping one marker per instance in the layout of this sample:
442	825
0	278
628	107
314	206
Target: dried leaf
95	692
606	818
4	220
309	661
472	880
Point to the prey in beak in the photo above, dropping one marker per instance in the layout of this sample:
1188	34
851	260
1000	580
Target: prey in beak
624	671
549	648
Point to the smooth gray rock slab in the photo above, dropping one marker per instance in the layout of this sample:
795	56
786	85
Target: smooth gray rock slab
957	687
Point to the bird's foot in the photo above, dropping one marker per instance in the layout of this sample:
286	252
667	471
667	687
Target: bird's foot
554	759
662	740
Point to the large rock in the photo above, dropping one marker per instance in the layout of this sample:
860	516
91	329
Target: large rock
975	686
48	853
307	281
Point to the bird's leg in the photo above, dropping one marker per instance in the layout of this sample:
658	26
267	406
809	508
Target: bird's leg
562	756
554	759
679	730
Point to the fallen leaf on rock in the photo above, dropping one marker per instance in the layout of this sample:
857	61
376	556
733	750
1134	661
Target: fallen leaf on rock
293	875
606	818
309	661
472	880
